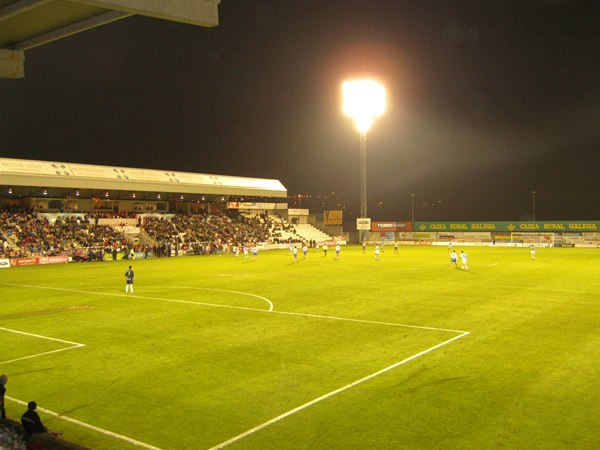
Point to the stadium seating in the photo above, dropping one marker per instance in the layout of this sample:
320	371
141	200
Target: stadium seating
310	233
25	233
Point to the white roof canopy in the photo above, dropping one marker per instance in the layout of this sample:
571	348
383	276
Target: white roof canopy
64	175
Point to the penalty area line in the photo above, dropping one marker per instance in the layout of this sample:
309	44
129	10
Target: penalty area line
89	427
333	393
374	322
62	341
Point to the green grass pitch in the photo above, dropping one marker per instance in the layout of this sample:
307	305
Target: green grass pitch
218	351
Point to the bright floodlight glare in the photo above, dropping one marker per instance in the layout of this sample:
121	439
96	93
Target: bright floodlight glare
363	100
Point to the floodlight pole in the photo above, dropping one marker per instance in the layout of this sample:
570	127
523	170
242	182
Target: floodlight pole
363	174
412	212
363	100
533	203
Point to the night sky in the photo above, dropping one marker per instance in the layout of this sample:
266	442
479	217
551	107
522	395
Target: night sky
487	101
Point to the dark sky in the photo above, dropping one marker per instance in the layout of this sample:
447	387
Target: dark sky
488	100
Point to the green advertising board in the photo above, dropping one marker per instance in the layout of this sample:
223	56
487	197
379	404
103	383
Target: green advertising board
534	227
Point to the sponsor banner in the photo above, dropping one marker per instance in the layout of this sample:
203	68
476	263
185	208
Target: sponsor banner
23	261
390	226
534	227
363	224
53	260
297	212
4	263
254	205
41	260
332	217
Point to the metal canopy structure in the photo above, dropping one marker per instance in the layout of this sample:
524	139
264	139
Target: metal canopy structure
25	24
30	178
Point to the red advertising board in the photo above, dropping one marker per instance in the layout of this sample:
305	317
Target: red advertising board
42	260
391	226
54	260
23	261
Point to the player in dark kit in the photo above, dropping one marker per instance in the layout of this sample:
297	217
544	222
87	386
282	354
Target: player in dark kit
129	280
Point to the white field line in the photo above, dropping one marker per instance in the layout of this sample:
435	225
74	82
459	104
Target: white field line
79	291
233	292
374	322
332	393
88	426
72	345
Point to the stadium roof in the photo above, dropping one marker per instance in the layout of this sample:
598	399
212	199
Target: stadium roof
25	24
30	178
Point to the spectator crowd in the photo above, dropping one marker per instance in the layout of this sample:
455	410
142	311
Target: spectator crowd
34	235
25	233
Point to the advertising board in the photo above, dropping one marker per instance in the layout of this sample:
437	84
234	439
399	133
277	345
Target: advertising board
390	226
255	205
23	261
332	217
53	260
40	260
363	224
535	227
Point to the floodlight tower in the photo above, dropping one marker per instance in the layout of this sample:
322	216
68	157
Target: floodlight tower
363	100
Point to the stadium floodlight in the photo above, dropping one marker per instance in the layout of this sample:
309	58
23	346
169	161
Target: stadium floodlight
363	100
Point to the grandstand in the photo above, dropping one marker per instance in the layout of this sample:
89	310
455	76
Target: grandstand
88	212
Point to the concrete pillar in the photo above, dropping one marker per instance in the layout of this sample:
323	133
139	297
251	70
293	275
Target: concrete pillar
12	64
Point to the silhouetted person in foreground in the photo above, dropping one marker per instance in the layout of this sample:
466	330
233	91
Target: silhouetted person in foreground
3	380
32	423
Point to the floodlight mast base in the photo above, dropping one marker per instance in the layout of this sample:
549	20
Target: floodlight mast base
363	181
363	174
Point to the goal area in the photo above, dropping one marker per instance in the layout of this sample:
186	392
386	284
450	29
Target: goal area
541	239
